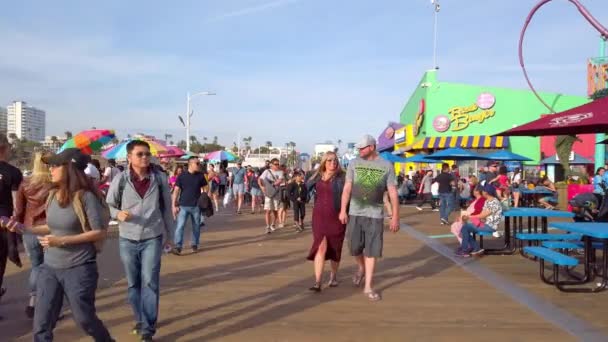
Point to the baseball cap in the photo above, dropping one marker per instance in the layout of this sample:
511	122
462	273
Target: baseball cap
490	189
366	140
69	155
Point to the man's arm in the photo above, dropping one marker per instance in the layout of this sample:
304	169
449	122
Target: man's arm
348	187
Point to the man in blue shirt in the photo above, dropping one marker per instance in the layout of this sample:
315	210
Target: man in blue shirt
238	185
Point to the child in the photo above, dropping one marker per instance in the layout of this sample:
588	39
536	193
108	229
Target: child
298	194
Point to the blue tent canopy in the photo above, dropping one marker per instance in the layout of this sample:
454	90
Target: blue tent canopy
421	158
392	158
456	153
505	155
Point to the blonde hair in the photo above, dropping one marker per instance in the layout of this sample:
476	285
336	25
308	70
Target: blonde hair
323	169
40	171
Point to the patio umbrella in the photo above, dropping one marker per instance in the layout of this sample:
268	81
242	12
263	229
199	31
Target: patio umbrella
420	158
392	158
588	118
120	151
172	152
221	156
90	141
456	153
505	155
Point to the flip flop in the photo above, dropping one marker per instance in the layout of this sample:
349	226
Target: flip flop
372	296
357	278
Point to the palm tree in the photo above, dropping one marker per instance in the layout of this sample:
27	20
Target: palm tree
215	140
68	135
54	140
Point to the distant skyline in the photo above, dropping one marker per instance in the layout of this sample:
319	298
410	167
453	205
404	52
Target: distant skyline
283	70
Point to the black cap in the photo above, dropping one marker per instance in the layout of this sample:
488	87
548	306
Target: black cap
69	155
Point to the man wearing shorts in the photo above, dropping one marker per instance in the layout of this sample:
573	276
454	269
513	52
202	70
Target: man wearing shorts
270	181
238	185
367	178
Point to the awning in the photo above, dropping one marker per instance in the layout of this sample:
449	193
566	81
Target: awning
475	141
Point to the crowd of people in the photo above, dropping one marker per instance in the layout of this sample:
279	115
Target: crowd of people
63	209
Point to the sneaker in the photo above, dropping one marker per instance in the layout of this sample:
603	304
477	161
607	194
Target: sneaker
444	221
177	251
136	329
268	230
435	209
194	249
272	228
238	212
146	338
281	225
478	252
496	234
462	254
420	209
29	312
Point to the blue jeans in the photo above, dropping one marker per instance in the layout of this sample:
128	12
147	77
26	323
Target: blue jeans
78	284
36	255
141	260
468	241
445	205
182	218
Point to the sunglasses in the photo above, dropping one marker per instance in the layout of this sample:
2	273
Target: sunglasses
276	164
331	160
143	154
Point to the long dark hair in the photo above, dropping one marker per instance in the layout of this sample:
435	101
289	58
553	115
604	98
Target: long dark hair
73	181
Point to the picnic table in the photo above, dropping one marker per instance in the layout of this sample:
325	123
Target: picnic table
518	215
529	196
591	232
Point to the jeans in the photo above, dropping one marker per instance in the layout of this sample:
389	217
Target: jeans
141	260
78	284
426	198
468	241
182	218
445	205
36	255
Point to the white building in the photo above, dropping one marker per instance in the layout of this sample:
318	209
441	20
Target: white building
3	120
321	149
53	145
25	121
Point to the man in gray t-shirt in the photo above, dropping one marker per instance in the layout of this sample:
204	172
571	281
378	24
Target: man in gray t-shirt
425	192
367	179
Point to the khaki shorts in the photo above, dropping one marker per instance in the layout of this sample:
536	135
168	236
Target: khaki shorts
365	236
272	204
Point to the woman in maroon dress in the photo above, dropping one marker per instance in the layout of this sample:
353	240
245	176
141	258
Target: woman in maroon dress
328	232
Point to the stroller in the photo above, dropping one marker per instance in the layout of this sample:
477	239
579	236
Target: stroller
590	207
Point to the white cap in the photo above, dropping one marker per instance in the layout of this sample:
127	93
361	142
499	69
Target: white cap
366	140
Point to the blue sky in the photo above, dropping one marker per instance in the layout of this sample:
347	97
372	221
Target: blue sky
284	70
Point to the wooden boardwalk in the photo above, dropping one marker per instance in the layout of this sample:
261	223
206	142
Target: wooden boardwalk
246	286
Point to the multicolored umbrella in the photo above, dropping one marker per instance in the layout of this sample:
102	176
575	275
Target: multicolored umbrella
219	156
172	152
120	151
90	141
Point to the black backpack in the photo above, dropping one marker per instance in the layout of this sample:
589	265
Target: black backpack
204	203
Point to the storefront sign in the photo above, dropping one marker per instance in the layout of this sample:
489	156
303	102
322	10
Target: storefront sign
441	123
597	74
419	117
462	117
400	136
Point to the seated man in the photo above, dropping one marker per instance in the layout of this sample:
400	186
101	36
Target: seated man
490	216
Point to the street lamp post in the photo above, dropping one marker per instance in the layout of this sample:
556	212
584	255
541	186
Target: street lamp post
437	7
189	114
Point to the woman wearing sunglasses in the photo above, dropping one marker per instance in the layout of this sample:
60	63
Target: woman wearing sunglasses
328	231
77	220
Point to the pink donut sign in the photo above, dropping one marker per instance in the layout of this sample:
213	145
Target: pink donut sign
441	123
486	101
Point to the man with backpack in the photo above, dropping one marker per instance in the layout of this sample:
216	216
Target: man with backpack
270	182
140	199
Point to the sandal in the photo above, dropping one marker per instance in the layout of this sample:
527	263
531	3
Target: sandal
316	288
357	278
372	296
333	283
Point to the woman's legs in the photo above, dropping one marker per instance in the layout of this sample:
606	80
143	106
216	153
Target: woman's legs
320	261
516	195
334	272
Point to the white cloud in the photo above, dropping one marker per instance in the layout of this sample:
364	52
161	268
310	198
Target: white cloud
252	9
